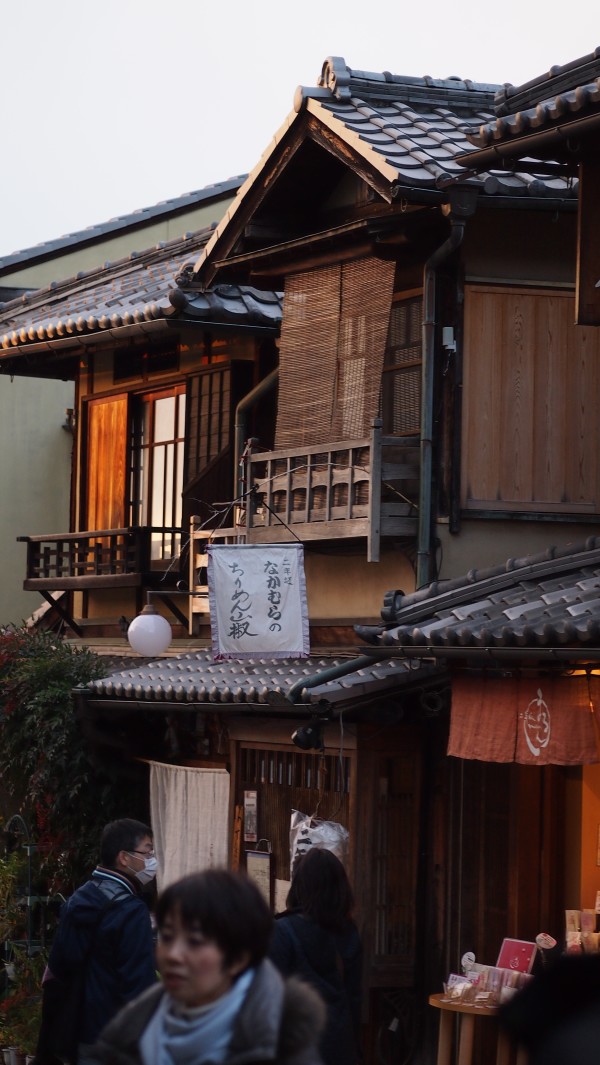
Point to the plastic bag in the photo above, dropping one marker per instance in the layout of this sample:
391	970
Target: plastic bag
307	832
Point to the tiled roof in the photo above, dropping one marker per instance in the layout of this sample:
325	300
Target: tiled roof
549	600
142	287
564	94
418	126
143	216
197	678
411	131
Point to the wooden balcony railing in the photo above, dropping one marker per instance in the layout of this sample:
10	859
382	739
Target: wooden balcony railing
352	488
85	559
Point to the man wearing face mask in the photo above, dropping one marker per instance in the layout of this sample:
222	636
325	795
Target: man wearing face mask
105	933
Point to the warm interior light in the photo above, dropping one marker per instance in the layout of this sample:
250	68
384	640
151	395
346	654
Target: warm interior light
149	633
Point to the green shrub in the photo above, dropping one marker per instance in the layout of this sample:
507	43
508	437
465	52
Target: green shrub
65	796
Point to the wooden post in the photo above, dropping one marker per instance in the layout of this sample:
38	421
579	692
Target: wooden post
374	533
236	842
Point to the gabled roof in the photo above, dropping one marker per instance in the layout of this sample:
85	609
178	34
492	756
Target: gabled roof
411	128
134	220
543	605
406	135
539	117
196	679
144	287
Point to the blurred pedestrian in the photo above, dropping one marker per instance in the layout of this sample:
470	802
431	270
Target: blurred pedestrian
103	952
220	999
317	939
556	1016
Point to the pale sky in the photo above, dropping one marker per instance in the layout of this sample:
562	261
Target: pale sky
113	105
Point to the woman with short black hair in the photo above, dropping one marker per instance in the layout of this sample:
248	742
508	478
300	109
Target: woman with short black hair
220	1000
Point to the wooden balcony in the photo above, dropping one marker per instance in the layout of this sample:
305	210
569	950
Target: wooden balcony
140	558
119	557
366	488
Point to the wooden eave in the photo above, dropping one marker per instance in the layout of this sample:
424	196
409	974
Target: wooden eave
58	359
384	236
230	243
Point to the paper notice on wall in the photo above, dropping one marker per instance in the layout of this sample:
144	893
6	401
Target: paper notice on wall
258	603
258	867
281	892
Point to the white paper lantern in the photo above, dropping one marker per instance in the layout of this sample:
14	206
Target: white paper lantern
149	633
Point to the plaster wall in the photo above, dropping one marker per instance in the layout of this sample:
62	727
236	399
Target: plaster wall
341	588
35	479
490	543
344	587
114	248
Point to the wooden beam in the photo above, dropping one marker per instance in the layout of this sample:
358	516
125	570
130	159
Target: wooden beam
587	293
60	610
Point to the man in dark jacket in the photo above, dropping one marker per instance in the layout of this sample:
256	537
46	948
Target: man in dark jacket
105	933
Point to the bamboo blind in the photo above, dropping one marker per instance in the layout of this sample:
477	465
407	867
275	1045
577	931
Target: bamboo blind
333	335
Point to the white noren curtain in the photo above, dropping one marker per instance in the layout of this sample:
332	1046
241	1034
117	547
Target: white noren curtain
189	811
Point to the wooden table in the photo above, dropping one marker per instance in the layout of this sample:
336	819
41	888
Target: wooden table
466	1014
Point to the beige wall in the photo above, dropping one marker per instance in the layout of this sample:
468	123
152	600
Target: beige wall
35	475
490	543
340	588
346	587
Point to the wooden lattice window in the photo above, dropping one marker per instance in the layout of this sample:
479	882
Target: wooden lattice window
401	384
389	838
289	780
209	418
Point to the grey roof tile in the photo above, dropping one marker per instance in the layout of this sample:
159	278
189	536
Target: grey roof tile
540	601
569	90
404	120
196	678
142	287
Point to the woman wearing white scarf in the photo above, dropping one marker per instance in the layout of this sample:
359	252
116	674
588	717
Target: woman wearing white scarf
220	1001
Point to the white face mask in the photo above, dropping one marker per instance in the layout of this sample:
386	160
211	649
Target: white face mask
148	873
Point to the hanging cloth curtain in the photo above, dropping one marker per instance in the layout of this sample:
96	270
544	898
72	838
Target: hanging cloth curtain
531	720
189	809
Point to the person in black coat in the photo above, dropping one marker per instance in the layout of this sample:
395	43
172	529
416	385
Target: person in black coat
103	952
316	939
556	1017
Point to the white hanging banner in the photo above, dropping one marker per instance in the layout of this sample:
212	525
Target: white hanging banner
257	596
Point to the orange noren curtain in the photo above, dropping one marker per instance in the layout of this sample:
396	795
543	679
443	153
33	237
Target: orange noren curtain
531	720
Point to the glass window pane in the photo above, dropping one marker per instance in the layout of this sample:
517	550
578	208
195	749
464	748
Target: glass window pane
158	479
169	504
164	419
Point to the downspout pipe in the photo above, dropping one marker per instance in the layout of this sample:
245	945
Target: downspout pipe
331	673
461	206
243	406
